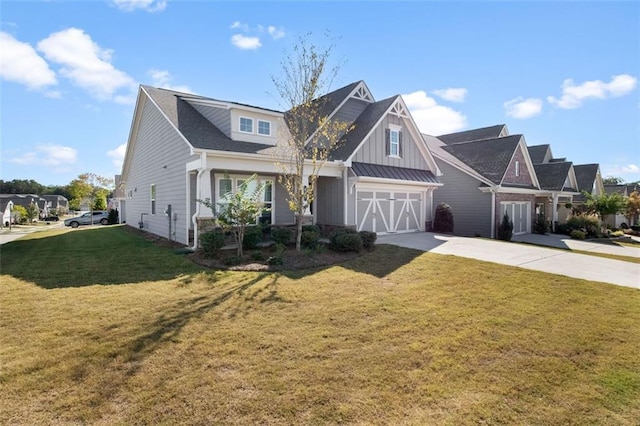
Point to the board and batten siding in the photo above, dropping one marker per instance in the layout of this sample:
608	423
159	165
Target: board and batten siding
373	149
471	208
328	207
159	157
219	117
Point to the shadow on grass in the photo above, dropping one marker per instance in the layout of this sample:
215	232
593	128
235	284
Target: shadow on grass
90	256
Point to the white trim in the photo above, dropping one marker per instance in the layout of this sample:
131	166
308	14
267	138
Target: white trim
153	198
258	127
392	143
517	166
230	105
391	185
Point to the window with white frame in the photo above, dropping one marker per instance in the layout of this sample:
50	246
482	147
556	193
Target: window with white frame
246	125
264	128
153	199
230	184
394	143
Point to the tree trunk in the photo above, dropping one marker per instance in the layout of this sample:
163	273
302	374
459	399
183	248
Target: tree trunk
299	219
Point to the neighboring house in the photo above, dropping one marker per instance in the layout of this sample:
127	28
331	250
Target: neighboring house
589	180
485	173
558	183
183	148
58	204
5	208
25	200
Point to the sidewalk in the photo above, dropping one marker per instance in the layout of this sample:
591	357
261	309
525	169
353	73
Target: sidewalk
526	256
565	242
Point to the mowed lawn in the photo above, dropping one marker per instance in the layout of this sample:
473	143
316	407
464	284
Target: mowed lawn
98	326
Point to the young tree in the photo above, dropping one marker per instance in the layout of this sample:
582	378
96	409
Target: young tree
240	209
19	214
606	204
311	136
633	206
32	212
89	186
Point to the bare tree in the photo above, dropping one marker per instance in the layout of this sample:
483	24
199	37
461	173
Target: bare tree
311	135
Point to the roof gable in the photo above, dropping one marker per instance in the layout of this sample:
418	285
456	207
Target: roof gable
586	176
491	132
540	153
553	176
489	157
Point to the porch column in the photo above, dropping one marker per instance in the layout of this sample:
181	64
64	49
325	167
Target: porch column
554	210
204	192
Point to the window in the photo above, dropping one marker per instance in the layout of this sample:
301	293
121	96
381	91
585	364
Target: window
231	184
264	128
394	140
153	199
517	168
246	125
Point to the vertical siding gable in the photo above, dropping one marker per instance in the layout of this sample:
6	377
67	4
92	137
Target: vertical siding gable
373	150
525	174
219	117
158	144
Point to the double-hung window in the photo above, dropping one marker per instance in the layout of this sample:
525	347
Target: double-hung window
394	143
231	184
264	128
246	125
153	199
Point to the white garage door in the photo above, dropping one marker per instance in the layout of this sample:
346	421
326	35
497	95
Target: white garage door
389	211
519	214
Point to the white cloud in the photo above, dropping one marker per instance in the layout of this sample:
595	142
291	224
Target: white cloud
49	155
244	42
452	94
276	33
573	95
148	5
523	108
19	62
239	25
117	155
431	118
86	64
622	170
162	78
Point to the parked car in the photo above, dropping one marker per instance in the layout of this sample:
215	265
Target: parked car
52	218
89	218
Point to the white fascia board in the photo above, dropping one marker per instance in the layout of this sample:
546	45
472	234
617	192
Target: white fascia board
194	165
135	122
527	159
510	190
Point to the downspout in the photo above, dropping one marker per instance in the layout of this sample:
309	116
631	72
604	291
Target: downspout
345	203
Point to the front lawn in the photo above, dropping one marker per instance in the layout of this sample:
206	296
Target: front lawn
98	326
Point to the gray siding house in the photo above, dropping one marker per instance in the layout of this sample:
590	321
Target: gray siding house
183	148
486	173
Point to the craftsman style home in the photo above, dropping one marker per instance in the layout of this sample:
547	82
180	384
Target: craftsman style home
183	148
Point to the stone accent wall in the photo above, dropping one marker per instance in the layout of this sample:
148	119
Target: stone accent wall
525	173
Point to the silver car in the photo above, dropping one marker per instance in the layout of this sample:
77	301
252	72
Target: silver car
90	218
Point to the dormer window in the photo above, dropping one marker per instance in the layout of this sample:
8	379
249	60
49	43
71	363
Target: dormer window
246	125
264	128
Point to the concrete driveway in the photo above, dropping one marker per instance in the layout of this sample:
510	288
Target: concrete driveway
524	256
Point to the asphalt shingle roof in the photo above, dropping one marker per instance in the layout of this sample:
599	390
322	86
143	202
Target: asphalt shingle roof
199	131
391	172
362	126
552	176
537	153
490	132
489	157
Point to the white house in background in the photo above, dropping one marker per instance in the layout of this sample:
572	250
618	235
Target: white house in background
183	148
6	205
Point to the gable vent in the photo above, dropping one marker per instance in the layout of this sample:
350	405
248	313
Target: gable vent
363	94
399	110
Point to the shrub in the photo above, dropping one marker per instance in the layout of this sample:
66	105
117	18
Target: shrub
232	260
113	217
563	228
311	228
540	226
211	242
252	236
339	232
281	236
257	255
348	242
443	219
624	225
505	230
310	239
275	260
576	234
368	239
588	224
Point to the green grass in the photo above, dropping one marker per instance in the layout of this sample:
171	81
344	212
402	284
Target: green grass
393	337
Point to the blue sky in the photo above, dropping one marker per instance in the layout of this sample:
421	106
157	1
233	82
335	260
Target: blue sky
561	73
